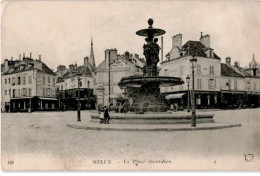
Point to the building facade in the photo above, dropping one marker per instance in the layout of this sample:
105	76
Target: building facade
28	85
239	87
206	77
216	84
74	77
111	71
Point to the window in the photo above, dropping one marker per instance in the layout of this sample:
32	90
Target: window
61	87
19	93
43	80
29	79
49	80
5	92
53	82
24	92
248	85
198	83
24	80
9	92
80	84
18	80
13	81
198	69
210	53
14	93
254	86
29	92
5	81
211	70
65	86
43	92
88	84
49	92
235	84
212	84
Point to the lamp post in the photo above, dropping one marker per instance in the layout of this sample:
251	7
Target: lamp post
193	60
58	96
188	85
78	112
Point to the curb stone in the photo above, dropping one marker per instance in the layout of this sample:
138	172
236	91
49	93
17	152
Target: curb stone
152	129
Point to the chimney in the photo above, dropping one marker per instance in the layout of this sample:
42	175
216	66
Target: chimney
6	65
86	62
236	64
107	53
20	57
11	58
30	55
205	40
127	55
23	55
136	56
76	65
177	41
71	68
228	61
40	58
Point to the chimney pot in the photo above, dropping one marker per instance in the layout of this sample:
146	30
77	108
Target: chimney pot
40	57
30	55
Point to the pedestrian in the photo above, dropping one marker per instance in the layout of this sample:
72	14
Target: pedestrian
101	116
106	116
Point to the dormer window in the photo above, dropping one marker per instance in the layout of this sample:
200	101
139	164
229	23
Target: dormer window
181	53
210	53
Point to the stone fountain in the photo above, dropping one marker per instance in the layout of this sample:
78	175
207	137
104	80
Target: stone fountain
148	98
149	105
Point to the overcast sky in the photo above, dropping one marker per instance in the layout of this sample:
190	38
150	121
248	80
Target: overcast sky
61	31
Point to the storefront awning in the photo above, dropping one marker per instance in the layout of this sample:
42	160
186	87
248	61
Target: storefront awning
47	98
21	98
174	96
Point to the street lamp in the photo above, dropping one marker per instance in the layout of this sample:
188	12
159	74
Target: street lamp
188	84
58	96
193	61
78	111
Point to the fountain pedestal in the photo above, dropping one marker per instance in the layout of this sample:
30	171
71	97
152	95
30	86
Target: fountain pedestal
148	98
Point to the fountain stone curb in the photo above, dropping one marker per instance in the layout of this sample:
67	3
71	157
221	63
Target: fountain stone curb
85	127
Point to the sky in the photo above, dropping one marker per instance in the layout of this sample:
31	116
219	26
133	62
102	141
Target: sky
61	31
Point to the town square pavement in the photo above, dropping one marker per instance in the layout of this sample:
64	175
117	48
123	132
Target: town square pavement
42	141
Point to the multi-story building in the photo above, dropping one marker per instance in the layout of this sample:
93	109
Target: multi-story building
68	83
239	88
27	84
207	72
110	72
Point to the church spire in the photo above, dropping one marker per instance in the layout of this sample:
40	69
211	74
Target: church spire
91	57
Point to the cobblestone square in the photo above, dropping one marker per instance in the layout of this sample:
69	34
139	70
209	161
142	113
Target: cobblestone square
41	140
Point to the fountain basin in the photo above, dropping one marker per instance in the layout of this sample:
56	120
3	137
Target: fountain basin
138	81
131	118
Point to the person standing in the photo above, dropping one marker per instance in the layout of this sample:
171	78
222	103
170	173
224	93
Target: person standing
106	115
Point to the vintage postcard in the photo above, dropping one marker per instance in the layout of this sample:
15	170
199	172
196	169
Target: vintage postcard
130	85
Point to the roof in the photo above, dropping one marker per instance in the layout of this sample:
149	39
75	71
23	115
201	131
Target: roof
79	71
227	70
17	69
233	71
196	48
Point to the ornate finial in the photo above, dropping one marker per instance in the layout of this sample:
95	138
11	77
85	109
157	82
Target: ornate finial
150	22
